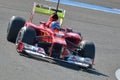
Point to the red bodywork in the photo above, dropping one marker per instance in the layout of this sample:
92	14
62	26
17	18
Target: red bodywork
53	37
48	35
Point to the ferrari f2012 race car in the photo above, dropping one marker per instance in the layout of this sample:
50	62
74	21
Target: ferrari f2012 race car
38	40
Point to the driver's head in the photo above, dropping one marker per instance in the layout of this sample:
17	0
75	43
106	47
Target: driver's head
55	25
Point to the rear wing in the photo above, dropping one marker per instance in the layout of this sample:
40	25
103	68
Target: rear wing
47	10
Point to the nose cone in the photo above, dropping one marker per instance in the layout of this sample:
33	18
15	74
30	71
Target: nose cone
59	38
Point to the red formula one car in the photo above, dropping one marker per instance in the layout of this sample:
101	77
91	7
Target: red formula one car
40	40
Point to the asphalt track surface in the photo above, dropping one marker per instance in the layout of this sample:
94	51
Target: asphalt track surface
100	27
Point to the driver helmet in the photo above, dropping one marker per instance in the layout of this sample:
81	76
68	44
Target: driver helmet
55	25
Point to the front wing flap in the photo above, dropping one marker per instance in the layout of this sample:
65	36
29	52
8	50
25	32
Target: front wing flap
40	52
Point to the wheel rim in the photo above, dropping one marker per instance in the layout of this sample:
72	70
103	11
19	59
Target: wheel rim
19	38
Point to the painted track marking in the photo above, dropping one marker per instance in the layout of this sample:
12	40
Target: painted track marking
117	74
88	6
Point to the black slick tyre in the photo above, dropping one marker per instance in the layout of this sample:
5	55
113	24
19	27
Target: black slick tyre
88	50
15	24
27	35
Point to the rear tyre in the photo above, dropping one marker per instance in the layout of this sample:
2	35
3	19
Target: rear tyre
88	50
15	24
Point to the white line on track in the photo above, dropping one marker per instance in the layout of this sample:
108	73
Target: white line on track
117	74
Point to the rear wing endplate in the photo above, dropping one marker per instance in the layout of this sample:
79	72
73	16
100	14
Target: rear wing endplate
47	10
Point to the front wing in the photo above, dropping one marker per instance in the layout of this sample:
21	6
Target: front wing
40	52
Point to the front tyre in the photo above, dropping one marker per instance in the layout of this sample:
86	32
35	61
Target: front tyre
26	35
88	50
